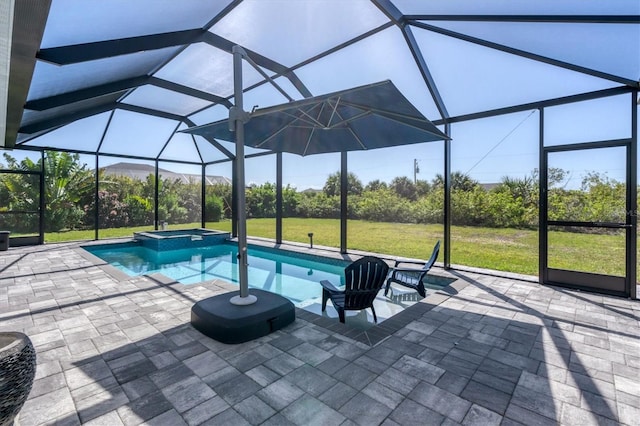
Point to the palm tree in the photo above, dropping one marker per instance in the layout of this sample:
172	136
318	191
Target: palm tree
404	187
332	186
459	181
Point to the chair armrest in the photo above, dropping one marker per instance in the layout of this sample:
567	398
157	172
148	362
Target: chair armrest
413	262
329	287
408	270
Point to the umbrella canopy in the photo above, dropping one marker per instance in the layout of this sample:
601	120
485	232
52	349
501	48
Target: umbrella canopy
367	117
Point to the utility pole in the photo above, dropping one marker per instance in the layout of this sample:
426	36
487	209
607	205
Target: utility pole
416	170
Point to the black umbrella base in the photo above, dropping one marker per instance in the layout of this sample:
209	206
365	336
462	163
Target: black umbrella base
219	319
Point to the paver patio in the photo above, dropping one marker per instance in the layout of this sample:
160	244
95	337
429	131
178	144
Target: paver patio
488	350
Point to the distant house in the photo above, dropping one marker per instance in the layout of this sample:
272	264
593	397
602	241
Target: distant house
141	171
312	191
489	186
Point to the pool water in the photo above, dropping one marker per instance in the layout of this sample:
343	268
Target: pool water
293	275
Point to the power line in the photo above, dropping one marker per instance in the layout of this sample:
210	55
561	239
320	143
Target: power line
500	141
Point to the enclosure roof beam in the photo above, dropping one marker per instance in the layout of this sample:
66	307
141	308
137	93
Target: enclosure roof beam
341	46
562	19
118	86
328	52
424	70
149	111
392	12
190	91
63	119
212	141
65	55
227	45
614	91
390	9
69	118
107	154
528	55
84	94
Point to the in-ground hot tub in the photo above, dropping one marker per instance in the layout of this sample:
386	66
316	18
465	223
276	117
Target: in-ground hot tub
176	239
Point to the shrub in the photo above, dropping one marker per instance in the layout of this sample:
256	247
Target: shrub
140	210
319	206
384	206
111	211
430	208
63	216
223	192
213	209
261	200
290	201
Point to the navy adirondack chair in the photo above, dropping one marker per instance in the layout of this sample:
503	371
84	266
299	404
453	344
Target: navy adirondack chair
363	280
412	277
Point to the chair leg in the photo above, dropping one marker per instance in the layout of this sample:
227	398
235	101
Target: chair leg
325	296
341	314
386	289
421	290
373	311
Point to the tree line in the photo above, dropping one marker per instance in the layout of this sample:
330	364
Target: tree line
511	203
123	201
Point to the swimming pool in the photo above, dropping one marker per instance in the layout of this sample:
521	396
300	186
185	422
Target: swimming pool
293	275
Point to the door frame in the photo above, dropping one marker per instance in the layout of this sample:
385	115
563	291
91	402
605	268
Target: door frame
618	286
36	238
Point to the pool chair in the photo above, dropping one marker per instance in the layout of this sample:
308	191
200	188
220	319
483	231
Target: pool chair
363	280
412	277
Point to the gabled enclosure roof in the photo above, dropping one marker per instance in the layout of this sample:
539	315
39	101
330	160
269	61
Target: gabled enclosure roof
124	77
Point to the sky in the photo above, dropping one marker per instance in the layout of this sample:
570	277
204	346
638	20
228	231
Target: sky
470	78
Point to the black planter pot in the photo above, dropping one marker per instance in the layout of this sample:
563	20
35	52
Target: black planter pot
17	370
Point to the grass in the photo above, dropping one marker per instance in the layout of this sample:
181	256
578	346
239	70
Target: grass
471	246
57	237
511	250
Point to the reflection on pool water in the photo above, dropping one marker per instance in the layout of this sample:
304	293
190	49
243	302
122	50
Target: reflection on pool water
293	275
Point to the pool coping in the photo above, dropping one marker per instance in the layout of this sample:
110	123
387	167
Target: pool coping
370	336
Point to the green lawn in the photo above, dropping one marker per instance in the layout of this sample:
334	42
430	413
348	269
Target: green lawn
512	250
481	247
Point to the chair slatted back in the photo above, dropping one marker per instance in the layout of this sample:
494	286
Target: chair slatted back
430	262
363	279
434	256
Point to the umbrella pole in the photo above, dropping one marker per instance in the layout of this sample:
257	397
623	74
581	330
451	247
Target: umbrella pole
237	118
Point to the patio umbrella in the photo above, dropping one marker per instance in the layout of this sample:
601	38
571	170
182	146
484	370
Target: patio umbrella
366	117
